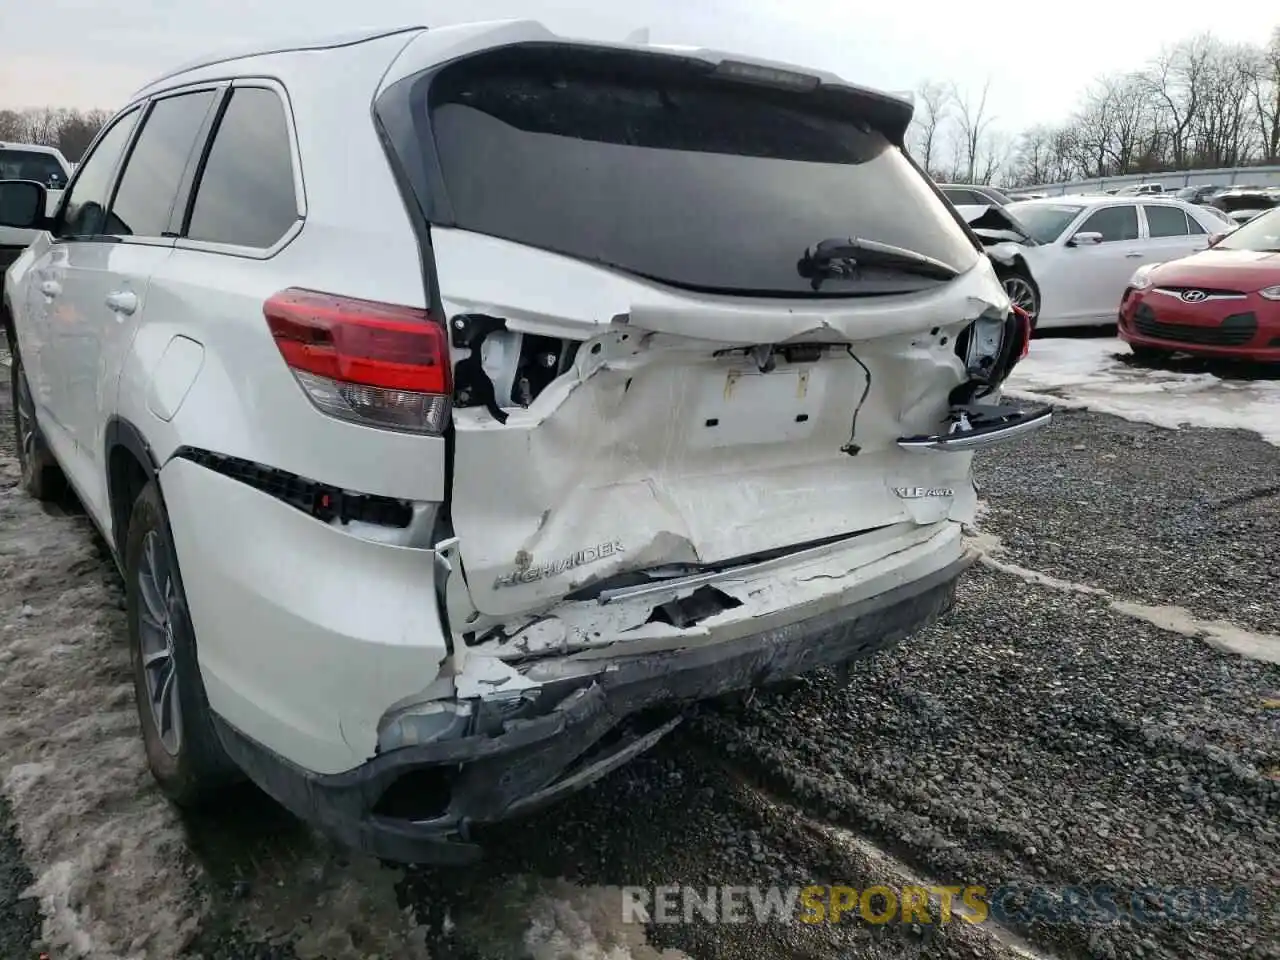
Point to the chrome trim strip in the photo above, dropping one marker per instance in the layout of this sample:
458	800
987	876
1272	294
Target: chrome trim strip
1177	295
967	440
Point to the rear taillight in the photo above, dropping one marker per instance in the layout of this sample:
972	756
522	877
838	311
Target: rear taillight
377	364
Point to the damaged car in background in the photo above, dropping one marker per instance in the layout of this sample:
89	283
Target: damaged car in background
623	377
1004	238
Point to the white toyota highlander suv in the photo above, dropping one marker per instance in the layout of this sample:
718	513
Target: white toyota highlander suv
458	403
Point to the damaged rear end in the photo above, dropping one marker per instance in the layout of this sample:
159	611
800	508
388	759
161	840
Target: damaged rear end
721	356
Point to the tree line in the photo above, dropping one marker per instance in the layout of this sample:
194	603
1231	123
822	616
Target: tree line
1202	103
71	131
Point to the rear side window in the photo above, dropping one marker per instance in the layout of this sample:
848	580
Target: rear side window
1166	222
1114	223
650	165
85	210
246	194
149	184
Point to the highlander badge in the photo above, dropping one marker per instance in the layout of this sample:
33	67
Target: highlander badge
530	573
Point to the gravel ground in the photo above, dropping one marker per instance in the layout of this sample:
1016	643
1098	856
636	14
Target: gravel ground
1188	517
1035	736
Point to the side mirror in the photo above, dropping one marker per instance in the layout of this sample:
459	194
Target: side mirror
22	204
1085	239
1216	238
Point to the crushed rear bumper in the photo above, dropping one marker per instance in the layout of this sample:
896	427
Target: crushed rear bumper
537	759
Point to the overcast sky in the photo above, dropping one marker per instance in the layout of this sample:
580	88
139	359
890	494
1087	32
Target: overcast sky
95	53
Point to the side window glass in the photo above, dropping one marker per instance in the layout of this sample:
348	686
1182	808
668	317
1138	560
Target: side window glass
246	194
1165	221
1114	223
1193	226
85	213
149	184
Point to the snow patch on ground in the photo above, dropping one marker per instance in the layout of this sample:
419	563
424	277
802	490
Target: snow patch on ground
99	839
1089	374
531	918
1220	634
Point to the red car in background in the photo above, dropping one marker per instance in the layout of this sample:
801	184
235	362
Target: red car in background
1222	302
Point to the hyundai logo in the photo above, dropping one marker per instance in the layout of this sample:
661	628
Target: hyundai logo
1194	296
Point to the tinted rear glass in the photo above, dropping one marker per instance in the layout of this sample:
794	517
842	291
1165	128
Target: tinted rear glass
43	168
642	164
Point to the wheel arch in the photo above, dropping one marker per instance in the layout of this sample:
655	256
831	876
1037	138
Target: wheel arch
131	465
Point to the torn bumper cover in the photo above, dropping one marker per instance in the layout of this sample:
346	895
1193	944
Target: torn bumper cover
539	758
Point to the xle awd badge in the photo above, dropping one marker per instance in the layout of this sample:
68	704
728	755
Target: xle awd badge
918	493
532	573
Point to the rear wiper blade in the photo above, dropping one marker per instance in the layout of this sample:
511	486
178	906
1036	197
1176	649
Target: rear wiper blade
842	258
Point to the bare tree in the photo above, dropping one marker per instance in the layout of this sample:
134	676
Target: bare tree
1037	158
973	123
1177	82
1222	135
1263	83
932	115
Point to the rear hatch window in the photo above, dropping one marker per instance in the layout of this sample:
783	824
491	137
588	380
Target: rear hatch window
661	167
43	168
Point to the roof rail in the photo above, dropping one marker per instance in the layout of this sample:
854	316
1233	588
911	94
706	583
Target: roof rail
326	43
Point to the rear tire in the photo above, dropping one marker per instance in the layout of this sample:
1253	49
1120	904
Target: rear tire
183	751
41	475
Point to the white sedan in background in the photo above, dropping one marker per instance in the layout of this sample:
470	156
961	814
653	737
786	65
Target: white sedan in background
1080	251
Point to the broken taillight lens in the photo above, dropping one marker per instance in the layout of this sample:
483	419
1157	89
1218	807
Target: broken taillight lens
1025	319
377	364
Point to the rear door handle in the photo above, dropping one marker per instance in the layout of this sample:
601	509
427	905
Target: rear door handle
1132	254
122	301
51	288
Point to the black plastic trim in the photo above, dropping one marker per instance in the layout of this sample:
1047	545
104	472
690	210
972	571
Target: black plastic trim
322	501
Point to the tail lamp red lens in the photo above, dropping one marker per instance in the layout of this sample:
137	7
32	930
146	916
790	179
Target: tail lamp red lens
1026	330
375	363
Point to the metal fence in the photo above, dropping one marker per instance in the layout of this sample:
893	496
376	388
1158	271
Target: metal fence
1226	176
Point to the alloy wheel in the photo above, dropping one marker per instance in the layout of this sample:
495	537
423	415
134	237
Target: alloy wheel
1020	291
155	636
25	422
